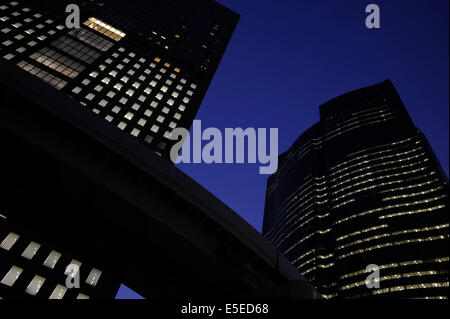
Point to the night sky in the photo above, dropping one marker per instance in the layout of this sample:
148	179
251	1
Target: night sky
287	57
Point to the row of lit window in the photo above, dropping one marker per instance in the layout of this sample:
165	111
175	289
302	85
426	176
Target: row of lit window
285	223
396	276
317	232
391	190
359	158
359	119
396	243
35	284
399	264
51	260
411	287
58	62
373	166
27	34
303	256
105	29
376	158
401	232
371	211
385	119
412	212
359	232
314	259
91	39
56	82
282	237
76	49
388	176
428	191
393	168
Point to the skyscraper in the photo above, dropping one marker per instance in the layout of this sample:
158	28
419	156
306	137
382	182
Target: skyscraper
79	184
359	189
143	66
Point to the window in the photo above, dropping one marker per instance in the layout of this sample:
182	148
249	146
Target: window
70	267
58	292
31	250
35	284
43	75
129	116
92	39
122	125
76	49
12	275
58	62
135	132
104	29
52	259
9	241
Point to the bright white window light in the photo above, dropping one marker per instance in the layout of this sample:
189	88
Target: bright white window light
12	275
9	241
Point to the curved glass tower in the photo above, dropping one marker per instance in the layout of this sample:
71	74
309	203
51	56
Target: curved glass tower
363	188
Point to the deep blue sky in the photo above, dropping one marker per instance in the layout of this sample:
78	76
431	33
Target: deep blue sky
289	56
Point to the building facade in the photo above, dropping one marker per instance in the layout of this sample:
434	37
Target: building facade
359	189
142	66
84	180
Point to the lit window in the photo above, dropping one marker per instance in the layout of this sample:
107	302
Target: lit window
155	128
52	259
82	296
135	132
111	94
31	250
12	275
116	109
72	268
104	29
160	119
58	292
122	125
35	285
9	241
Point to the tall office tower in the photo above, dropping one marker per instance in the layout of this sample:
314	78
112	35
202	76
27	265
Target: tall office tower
144	66
363	187
134	70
